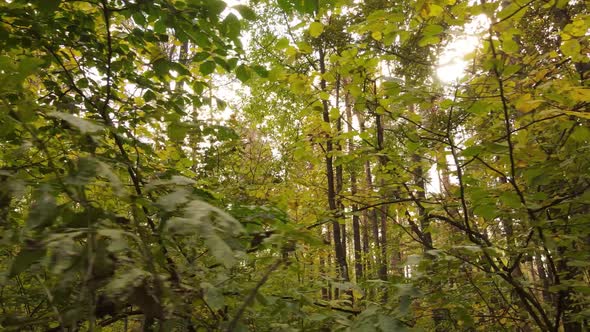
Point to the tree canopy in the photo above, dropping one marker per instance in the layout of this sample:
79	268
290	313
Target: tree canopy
294	165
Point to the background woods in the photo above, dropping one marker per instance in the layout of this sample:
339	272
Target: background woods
294	165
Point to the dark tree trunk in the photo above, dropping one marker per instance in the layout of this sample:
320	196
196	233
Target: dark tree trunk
383	211
342	265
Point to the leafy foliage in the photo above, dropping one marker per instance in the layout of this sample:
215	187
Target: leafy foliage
350	189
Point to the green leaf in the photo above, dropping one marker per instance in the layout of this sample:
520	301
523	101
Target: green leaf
486	211
232	25
160	26
198	37
282	43
104	169
388	323
334	113
511	70
317	317
213	296
246	12
219	249
177	131
510	46
201	56
25	258
513	10
176	180
433	10
260	70
161	67
7	64
207	221
27	66
215	7
428	40
316	29
243	73
511	199
171	201
85	126
117	238
578	263
138	18
48	6
207	67
304	47
571	48
221	104
432	29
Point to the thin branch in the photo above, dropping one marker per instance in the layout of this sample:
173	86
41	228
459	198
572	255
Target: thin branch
232	325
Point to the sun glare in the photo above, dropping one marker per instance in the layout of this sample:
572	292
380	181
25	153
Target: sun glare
452	62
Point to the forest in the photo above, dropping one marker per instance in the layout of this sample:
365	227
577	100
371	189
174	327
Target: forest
295	165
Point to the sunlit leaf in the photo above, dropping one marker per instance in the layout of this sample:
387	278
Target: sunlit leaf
85	126
316	29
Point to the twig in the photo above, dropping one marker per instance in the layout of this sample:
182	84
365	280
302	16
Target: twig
232	325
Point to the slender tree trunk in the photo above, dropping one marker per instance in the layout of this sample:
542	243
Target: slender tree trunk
439	315
356	230
5	200
565	299
325	290
340	173
384	208
365	241
371	213
334	208
542	273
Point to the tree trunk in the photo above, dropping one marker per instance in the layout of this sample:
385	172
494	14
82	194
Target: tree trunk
439	315
340	173
384	208
336	214
371	213
356	230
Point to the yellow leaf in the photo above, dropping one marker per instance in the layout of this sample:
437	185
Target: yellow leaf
526	104
334	113
571	47
580	94
139	102
583	115
357	293
316	29
376	35
433	10
291	51
541	74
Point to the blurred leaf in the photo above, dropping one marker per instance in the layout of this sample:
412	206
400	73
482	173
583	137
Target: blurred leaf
24	259
85	126
207	67
43	210
246	12
316	29
213	296
243	73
